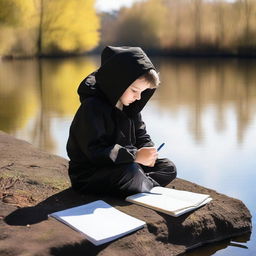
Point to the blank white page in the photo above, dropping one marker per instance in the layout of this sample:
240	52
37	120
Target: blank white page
192	198
99	221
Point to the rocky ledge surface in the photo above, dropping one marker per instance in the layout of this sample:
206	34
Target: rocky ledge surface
34	183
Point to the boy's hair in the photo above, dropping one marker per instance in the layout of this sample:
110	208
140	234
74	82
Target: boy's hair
152	77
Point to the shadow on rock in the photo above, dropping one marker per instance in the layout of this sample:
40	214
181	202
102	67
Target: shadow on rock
63	200
78	249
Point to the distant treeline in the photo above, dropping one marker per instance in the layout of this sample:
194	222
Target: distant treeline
61	27
185	26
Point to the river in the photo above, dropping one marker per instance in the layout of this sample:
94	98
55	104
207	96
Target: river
204	111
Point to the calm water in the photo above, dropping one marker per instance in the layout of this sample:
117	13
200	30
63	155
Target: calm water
205	112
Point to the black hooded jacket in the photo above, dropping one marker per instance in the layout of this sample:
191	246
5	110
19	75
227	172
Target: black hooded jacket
101	135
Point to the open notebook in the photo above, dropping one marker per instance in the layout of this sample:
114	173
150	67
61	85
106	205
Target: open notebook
99	221
170	201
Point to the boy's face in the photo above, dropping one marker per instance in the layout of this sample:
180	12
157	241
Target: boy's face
133	92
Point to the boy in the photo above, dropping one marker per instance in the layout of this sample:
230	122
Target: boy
108	146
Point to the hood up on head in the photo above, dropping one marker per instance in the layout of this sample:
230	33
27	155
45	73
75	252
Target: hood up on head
120	67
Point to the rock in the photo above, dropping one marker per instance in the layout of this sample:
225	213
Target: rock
38	184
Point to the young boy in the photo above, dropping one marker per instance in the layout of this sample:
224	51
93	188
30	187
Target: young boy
108	146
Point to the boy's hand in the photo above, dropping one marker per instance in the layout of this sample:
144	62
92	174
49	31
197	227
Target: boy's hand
146	156
152	164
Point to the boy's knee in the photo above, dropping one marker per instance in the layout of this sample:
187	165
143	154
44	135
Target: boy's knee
166	173
168	166
172	170
133	180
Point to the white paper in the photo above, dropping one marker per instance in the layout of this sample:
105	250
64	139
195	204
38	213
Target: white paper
170	201
99	221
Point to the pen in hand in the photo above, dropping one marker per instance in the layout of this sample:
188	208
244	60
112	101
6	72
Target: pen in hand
160	146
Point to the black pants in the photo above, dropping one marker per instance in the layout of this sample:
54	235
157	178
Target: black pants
128	179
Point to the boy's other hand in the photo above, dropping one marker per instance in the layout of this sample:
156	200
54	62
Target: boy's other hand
146	156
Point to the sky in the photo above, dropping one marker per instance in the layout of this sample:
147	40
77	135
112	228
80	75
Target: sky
113	5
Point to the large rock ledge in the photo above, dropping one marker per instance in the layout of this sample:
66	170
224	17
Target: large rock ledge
34	183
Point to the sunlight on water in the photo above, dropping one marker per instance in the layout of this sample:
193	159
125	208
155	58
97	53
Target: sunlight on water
204	111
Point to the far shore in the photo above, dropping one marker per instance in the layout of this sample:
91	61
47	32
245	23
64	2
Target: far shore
177	53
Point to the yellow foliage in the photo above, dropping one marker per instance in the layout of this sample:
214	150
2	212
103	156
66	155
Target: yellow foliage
69	26
17	12
8	12
60	82
66	27
18	29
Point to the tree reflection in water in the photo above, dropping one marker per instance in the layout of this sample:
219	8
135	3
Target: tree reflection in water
206	108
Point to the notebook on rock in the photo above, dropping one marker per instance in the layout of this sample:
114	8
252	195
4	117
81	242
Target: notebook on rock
99	221
170	201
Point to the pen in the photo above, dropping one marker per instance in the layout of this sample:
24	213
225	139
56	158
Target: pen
160	146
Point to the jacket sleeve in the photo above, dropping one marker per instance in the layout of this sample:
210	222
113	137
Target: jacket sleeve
142	138
90	133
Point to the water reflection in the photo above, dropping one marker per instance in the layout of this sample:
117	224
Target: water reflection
18	94
224	248
205	111
33	92
201	85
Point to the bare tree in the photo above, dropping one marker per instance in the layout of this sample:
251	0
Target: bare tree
219	9
246	7
248	13
197	21
40	26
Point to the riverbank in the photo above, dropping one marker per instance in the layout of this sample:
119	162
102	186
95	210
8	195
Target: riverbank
200	52
34	183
